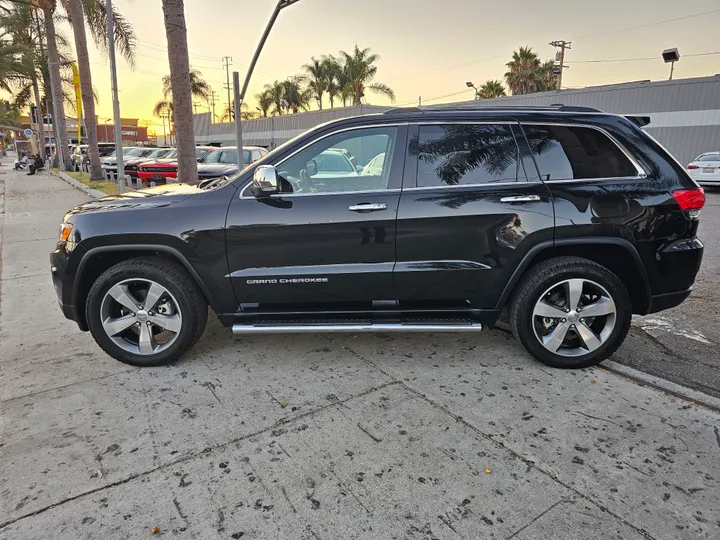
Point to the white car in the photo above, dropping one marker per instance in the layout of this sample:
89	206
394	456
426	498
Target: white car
705	169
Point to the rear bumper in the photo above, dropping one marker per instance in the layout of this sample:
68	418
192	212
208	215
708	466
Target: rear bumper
661	302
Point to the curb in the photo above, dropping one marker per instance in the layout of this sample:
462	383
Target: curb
663	385
94	193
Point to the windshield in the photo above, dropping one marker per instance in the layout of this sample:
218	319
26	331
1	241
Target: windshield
333	162
159	153
134	152
226	156
200	153
709	157
171	155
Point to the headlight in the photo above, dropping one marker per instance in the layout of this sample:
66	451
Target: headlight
65	230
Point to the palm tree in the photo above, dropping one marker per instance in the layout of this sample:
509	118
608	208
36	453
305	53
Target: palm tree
335	78
48	7
94	11
199	88
275	93
295	95
228	114
527	73
360	69
265	101
317	79
491	89
180	85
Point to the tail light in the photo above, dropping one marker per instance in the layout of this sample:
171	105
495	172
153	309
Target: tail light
690	201
692	167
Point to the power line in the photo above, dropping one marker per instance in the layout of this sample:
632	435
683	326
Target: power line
639	59
600	35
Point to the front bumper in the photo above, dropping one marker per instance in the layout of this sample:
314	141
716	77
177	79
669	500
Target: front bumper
62	278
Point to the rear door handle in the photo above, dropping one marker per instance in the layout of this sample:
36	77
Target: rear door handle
521	198
367	207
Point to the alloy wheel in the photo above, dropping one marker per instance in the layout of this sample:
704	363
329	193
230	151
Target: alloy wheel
574	317
140	316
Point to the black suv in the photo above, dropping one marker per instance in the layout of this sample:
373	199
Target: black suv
414	220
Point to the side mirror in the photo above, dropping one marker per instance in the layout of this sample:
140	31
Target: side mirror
265	181
311	167
359	168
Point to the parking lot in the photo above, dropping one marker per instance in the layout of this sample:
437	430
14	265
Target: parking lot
327	437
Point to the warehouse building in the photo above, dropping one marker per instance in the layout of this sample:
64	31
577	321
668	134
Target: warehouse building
685	114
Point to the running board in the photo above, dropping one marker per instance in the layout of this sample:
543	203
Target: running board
351	328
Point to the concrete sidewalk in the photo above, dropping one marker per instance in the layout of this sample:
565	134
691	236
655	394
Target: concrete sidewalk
324	437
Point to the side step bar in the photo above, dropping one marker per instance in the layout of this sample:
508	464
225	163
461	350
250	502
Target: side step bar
351	328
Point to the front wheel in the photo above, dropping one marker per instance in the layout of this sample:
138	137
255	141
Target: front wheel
570	312
146	312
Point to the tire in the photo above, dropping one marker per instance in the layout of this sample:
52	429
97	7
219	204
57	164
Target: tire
181	312
587	341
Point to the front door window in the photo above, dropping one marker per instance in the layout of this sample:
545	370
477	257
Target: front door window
350	161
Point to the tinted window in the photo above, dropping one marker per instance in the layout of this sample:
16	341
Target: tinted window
573	153
335	163
134	152
709	157
467	154
227	156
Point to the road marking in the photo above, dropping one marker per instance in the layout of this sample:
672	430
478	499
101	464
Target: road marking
655	325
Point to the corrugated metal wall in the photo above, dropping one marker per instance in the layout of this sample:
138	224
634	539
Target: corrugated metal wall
685	113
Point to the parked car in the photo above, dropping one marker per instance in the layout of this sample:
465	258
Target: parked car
109	163
162	170
132	164
705	169
569	218
106	149
224	162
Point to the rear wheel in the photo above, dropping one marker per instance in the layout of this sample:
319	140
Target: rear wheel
570	312
145	312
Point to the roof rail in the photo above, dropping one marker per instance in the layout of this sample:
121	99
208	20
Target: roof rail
466	107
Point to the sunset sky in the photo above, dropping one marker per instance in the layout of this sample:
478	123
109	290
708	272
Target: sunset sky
428	49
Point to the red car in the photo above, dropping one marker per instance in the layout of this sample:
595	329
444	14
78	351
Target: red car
160	170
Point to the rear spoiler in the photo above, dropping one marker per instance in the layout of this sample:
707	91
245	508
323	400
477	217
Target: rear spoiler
640	121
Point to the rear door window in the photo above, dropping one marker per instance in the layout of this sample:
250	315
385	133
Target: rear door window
576	153
467	154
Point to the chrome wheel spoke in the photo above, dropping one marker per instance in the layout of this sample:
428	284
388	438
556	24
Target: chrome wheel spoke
555	339
603	306
173	323
543	309
588	337
123	297
146	343
574	290
114	326
153	295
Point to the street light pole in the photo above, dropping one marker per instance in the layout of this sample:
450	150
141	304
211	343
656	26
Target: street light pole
116	100
240	96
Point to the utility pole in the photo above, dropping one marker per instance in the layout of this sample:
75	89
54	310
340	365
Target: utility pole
195	106
163	116
116	99
226	61
212	101
420	101
560	57
238	123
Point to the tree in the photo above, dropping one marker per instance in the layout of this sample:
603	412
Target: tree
228	114
317	78
180	85
59	126
360	70
528	74
94	11
265	101
275	94
335	79
199	88
295	95
491	89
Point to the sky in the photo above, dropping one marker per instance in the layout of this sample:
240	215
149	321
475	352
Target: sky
427	49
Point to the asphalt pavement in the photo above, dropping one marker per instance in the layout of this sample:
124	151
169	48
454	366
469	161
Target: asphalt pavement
332	437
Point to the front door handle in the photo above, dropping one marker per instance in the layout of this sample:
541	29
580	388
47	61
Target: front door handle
521	198
367	207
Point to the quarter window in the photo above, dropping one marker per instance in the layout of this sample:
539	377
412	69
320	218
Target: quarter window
461	154
576	153
346	161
